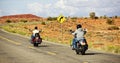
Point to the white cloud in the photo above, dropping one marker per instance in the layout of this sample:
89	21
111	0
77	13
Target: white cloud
101	7
63	8
60	4
76	7
40	9
66	7
35	7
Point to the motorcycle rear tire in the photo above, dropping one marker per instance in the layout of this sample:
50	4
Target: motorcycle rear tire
35	44
83	51
77	51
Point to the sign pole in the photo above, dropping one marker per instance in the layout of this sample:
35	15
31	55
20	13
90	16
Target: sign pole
61	19
61	33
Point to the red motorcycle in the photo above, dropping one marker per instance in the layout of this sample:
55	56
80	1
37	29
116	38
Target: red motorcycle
36	40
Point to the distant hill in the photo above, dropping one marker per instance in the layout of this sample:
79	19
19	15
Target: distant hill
20	16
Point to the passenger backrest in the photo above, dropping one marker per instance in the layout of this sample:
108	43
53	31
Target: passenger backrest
37	35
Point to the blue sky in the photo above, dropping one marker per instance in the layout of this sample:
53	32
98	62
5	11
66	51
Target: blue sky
46	8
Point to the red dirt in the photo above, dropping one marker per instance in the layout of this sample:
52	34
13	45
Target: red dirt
16	18
98	33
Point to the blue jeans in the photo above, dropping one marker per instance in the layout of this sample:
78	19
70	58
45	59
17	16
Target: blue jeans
74	43
32	37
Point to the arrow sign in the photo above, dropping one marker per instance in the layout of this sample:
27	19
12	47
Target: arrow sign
61	19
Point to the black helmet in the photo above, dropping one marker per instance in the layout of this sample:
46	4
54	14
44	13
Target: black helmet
36	27
79	26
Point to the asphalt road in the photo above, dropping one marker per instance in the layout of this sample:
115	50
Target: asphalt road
17	49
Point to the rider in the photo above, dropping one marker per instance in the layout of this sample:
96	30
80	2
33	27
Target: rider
78	35
34	32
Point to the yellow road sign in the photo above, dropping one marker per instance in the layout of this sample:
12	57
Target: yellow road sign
61	19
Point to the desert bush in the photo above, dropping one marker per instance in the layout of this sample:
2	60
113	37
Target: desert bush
8	21
114	49
104	17
85	17
96	17
51	18
23	21
113	28
101	17
92	15
43	23
25	27
110	21
74	18
115	17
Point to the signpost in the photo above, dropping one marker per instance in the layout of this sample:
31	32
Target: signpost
61	19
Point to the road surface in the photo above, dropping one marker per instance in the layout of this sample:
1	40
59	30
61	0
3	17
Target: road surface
17	49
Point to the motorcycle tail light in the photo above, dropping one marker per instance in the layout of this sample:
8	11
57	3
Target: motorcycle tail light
82	43
37	37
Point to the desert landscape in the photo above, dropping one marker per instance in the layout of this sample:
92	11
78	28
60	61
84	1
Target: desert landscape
102	33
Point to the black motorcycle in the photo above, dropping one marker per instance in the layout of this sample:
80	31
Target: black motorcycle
82	46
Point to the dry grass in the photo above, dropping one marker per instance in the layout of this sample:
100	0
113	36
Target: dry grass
98	35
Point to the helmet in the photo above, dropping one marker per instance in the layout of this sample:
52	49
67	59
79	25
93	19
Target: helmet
79	26
36	27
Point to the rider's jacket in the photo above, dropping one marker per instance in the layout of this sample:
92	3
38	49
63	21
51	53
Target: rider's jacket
35	31
79	33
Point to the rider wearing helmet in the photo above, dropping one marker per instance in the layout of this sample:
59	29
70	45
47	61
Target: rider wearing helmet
78	35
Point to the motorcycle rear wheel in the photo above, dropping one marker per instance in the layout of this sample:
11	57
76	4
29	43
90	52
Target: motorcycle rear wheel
83	50
35	44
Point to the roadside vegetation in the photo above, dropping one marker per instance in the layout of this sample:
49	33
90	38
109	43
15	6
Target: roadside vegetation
103	32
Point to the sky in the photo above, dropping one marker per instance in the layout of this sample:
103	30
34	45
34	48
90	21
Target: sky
53	8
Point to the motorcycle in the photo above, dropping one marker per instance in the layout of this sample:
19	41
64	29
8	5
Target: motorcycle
36	40
82	46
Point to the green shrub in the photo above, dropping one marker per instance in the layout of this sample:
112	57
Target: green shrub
21	32
51	18
43	23
96	17
114	49
92	15
23	21
8	21
113	28
85	17
104	17
110	21
74	18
